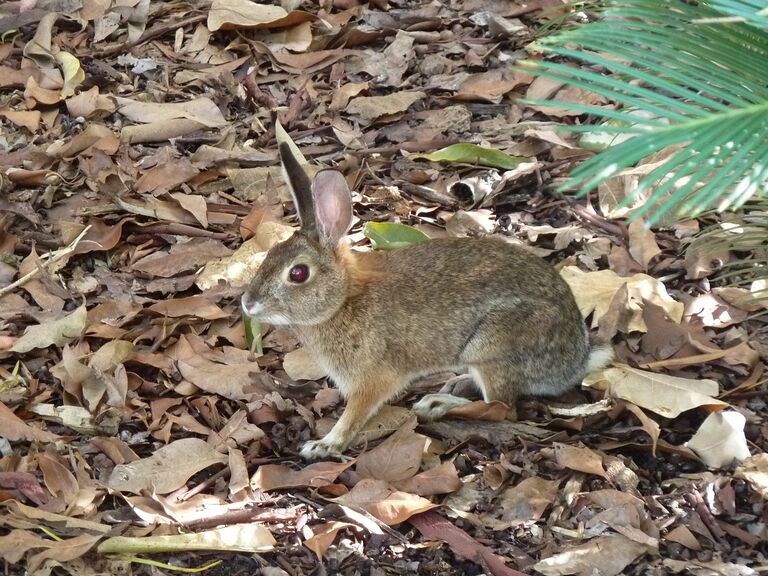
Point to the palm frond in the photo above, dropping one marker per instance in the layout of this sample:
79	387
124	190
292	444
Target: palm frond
681	77
746	236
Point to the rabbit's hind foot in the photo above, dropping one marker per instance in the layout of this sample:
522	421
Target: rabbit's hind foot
434	406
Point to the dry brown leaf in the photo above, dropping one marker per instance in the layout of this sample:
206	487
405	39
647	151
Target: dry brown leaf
388	505
197	306
611	553
397	458
15	544
384	423
488	86
642	243
56	333
713	311
58	479
15	429
90	103
275	476
682	535
579	458
167	469
342	96
29	119
233	381
323	536
229	14
181	257
372	107
166	176
36	287
523	502
479	410
239	268
195	205
63	551
200	110
432	525
442	479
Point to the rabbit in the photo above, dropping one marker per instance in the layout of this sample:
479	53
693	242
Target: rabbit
377	320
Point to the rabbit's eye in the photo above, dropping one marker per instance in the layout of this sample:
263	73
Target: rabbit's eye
298	273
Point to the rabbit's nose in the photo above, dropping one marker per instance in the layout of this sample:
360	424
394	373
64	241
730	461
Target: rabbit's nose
250	308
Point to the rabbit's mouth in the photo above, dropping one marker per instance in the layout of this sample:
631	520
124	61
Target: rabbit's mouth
258	311
253	309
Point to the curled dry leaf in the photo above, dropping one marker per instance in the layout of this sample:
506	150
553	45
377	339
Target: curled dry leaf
167	469
229	14
650	427
665	395
720	439
594	291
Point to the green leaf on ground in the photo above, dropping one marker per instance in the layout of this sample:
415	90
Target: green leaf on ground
389	235
474	154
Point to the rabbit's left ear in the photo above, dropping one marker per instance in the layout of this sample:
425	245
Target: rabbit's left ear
333	205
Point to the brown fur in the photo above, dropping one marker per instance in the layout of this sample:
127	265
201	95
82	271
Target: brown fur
377	320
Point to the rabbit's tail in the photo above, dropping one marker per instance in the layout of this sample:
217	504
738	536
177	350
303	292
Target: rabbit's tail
599	357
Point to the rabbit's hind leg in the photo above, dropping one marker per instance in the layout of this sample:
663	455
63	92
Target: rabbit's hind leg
498	381
435	406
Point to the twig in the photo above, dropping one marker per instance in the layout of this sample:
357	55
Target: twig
52	257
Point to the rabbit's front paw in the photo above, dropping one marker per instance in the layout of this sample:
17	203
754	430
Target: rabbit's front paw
434	406
320	450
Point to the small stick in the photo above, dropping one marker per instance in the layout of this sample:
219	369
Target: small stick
52	257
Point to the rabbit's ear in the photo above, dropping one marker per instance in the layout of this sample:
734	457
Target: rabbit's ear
333	205
301	189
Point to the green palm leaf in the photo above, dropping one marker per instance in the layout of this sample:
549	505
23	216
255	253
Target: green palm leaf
686	77
746	236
